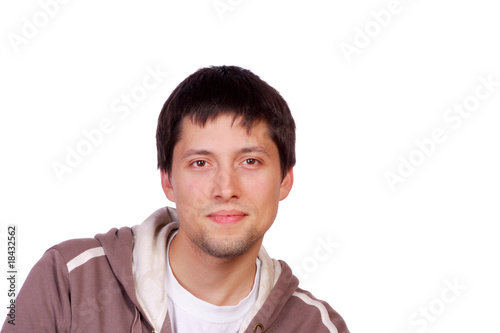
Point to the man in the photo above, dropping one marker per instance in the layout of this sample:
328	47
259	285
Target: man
226	149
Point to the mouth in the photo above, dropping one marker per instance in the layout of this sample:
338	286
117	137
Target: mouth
227	216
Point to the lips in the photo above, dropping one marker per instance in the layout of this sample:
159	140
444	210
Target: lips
227	216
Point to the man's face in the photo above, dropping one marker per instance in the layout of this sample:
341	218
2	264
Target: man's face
226	184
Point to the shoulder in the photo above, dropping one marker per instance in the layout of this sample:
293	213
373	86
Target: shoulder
68	255
72	248
315	314
301	311
77	252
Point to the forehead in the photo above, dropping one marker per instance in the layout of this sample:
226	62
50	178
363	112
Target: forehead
223	132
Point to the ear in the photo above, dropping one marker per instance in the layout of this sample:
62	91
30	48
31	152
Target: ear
168	189
286	184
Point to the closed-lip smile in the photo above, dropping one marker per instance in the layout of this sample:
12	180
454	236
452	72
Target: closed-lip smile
227	216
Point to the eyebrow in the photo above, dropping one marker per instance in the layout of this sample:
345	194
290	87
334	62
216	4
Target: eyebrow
192	152
254	149
245	150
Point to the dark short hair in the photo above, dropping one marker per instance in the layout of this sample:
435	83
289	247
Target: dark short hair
225	90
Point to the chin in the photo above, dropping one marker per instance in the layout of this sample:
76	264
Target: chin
228	248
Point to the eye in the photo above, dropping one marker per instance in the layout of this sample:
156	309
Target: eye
251	161
199	163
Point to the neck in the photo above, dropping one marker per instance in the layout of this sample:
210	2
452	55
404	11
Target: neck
217	281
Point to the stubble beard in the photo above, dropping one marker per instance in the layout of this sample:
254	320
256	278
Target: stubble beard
227	247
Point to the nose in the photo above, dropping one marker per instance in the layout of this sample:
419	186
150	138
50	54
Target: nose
226	185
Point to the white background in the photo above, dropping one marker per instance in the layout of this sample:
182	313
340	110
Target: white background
354	119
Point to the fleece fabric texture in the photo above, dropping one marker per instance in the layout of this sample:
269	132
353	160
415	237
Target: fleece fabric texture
115	282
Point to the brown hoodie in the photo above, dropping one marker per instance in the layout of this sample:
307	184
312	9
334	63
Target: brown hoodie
94	285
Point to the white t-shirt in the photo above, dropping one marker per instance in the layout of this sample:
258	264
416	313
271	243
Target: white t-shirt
190	314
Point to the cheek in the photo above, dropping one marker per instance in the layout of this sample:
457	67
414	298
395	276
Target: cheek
189	203
264	193
190	192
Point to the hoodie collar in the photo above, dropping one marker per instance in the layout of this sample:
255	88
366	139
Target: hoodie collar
149	263
137	256
271	303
